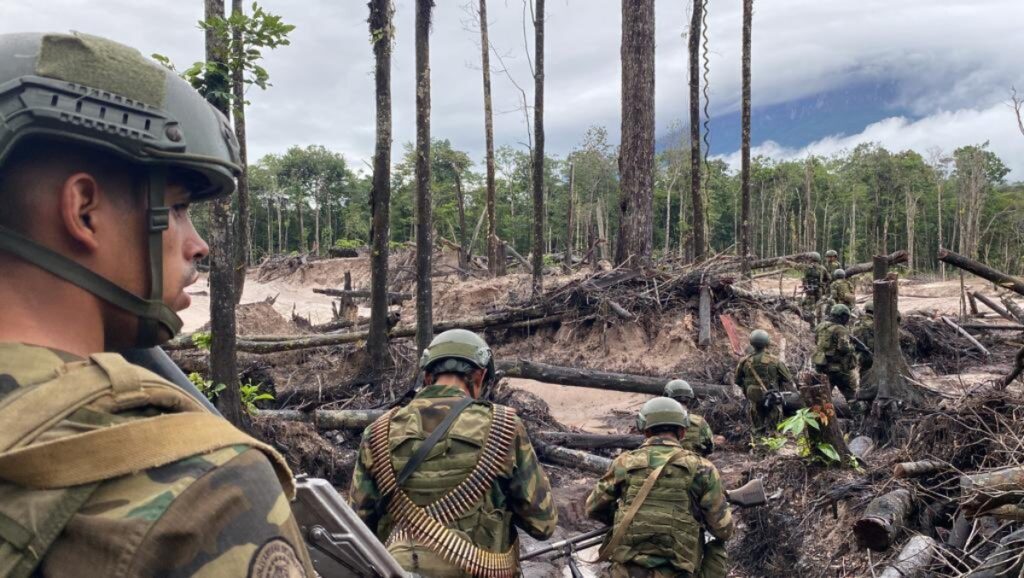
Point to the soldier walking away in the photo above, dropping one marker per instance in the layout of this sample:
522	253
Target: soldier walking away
864	330
763	377
661	500
816	281
699	437
842	290
443	480
835	355
107	469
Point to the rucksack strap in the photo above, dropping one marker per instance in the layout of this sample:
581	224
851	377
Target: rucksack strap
434	437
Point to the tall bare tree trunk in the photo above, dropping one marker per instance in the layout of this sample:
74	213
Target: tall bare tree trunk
570	216
223	358
809	216
463	232
636	153
270	230
280	227
699	238
381	31
748	11
492	218
238	112
538	149
424	229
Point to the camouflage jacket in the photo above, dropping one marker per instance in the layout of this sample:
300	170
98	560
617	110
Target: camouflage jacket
521	496
773	374
686	500
816	279
219	514
833	346
699	437
842	292
864	329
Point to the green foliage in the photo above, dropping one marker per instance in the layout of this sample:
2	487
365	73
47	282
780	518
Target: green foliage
252	393
202	339
349	243
206	386
771	443
797	427
796	424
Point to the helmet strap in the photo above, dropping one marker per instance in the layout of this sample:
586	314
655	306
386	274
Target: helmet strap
157	221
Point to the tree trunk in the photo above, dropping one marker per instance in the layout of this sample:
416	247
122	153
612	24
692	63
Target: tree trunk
891	259
492	219
327	420
861	446
588	441
463	230
636	153
819	395
424	210
280	227
697	200
981	270
920	468
1014	309
882	521
984	491
748	10
581	377
381	31
302	226
270	230
704	306
809	216
571	458
223	358
570	216
238	112
538	151
913	560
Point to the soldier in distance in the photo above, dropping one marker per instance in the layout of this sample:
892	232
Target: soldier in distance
101	154
763	377
699	437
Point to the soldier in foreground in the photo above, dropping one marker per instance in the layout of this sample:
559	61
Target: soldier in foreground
661	499
834	354
842	290
101	155
699	437
763	377
443	480
816	281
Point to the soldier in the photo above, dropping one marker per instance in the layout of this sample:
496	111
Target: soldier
831	260
864	329
763	378
443	480
106	469
835	355
699	437
816	281
661	499
842	290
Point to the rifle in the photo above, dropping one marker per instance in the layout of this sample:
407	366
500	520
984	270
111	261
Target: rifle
748	495
339	543
861	347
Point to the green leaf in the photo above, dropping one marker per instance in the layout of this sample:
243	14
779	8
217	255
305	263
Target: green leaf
829	451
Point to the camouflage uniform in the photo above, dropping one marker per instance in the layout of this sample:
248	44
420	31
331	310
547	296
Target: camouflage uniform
521	496
816	284
757	375
864	329
699	437
836	357
842	292
219	514
665	539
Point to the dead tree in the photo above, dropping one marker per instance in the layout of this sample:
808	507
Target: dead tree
538	151
572	458
994	306
1014	309
704	317
424	211
882	521
241	241
636	154
696	195
982	270
381	30
492	220
570	216
748	11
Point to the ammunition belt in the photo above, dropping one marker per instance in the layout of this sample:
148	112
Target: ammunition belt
430	525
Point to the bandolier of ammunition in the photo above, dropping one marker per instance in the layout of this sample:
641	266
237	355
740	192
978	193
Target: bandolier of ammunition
430	525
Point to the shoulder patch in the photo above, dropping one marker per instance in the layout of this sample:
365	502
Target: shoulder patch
276	558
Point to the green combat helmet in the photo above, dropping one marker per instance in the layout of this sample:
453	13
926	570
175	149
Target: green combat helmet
662	411
760	339
839	311
839	274
831	254
96	93
816	256
679	388
453	349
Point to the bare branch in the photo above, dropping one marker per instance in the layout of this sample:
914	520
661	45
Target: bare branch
1017	101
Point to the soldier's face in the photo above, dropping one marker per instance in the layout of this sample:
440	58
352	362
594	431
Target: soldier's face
183	248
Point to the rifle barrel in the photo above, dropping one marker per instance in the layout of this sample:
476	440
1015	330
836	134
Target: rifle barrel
577	539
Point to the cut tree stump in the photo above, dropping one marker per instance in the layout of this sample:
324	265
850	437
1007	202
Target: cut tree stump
982	270
913	560
882	520
995	306
704	334
816	392
919	468
988	490
861	447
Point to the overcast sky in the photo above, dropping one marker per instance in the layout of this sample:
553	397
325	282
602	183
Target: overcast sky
954	61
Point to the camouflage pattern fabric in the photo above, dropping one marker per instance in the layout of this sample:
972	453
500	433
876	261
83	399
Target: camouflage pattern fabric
836	357
816	286
520	497
699	438
757	375
864	329
842	292
219	514
667	532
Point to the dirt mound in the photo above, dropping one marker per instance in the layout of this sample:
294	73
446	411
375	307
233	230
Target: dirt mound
260	318
306	451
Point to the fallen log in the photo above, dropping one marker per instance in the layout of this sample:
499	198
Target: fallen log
982	270
977	344
883	519
1005	560
1018	367
891	259
580	377
590	441
1014	309
620	310
704	334
862	446
913	560
985	491
807	257
327	419
393	297
993	326
816	392
522	260
572	458
919	468
994	306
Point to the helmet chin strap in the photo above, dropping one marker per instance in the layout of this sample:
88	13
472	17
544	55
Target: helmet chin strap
157	322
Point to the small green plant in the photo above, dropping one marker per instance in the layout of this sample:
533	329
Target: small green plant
798	426
252	393
771	443
206	386
349	243
202	340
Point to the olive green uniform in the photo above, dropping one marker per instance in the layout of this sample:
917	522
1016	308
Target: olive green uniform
222	513
816	286
842	292
864	329
520	496
666	537
699	437
836	357
757	375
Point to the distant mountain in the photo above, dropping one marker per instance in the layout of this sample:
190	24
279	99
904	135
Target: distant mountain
796	123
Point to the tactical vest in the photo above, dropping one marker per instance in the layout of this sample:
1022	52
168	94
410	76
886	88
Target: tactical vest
49	469
813	279
665	525
691	440
759	369
450	505
825	351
